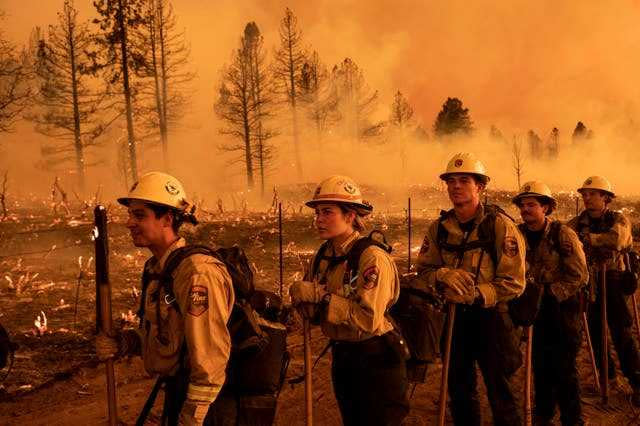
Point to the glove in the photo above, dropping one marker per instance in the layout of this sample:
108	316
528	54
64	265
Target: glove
458	280
107	347
193	413
306	292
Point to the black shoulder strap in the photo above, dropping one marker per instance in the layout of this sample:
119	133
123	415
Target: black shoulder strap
147	277
316	260
353	258
173	261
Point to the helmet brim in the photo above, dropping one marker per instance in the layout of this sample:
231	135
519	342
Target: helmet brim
609	193
482	177
361	208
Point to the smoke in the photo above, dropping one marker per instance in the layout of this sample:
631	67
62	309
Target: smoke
515	64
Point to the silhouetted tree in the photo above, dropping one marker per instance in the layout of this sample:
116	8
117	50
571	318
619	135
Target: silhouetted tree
15	90
535	144
401	122
287	70
553	144
453	119
116	57
68	108
580	133
355	101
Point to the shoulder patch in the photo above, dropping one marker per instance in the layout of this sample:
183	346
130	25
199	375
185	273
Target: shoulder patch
510	246
198	300
370	276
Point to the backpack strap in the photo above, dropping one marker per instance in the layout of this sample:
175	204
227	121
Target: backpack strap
173	261
353	257
319	256
147	277
554	235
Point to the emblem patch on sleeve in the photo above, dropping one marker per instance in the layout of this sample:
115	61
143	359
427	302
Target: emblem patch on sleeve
510	246
425	245
370	276
198	300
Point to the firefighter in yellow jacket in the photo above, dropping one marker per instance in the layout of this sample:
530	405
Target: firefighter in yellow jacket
352	293
556	270
606	235
475	256
188	344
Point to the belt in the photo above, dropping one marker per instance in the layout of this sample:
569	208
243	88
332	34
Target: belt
372	344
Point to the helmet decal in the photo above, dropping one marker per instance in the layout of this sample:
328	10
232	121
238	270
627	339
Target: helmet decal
349	188
171	188
134	186
527	188
458	163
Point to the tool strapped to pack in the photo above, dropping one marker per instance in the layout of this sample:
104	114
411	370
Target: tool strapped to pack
259	358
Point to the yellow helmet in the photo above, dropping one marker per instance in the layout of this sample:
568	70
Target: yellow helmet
342	190
599	183
158	188
466	162
536	188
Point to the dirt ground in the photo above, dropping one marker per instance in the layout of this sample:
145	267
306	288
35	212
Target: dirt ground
46	269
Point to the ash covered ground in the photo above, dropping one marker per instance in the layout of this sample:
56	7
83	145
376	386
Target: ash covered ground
47	270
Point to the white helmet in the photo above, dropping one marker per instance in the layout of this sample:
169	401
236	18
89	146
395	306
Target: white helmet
158	188
341	190
537	189
467	163
599	183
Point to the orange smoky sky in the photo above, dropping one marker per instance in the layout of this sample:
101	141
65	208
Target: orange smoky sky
517	64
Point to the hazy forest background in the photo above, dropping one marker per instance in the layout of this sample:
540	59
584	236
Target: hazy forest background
235	96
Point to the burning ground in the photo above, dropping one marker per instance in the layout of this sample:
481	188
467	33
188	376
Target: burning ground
47	303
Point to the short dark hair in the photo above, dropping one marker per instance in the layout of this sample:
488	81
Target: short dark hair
160	210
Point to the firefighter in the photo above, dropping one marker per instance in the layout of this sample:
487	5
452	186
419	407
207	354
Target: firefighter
474	256
606	235
187	344
350	299
556	266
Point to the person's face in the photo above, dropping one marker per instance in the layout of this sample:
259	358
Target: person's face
145	228
532	211
331	221
594	200
463	189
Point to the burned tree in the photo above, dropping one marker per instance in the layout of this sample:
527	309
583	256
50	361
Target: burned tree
244	105
262	101
355	101
319	102
580	134
535	144
68	110
453	119
15	90
166	64
116	57
400	122
518	160
553	143
289	61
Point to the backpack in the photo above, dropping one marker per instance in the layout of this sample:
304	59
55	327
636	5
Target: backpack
259	356
417	322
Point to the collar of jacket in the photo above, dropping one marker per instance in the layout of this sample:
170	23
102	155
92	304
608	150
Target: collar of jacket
545	231
451	221
344	248
159	265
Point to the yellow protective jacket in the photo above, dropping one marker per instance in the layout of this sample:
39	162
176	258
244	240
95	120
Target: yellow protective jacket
204	293
358	304
497	282
559	265
610	237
